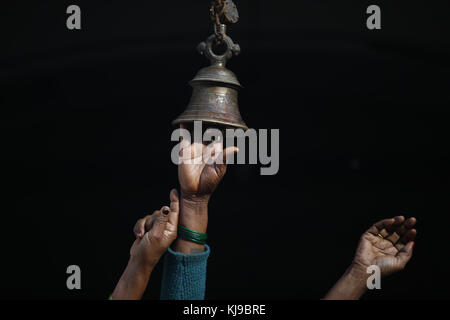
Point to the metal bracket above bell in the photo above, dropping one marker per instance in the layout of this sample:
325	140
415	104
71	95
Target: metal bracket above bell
215	88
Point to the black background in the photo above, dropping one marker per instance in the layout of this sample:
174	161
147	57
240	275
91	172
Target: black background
85	123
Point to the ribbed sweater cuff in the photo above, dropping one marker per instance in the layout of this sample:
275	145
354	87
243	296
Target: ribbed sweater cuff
184	275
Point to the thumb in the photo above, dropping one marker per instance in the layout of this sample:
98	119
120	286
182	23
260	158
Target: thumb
224	156
229	152
174	207
160	222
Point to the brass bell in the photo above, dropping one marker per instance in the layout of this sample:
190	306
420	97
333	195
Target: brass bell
215	88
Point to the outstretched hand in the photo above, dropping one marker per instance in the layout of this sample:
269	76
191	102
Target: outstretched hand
387	244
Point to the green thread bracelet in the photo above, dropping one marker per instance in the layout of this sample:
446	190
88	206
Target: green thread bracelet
191	235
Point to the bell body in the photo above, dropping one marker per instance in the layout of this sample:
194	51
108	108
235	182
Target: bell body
215	89
214	99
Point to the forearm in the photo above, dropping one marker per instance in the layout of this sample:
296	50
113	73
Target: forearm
351	286
184	275
193	215
133	282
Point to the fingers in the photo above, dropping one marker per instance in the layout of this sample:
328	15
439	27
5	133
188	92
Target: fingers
174	200
389	233
408	236
397	230
184	142
174	207
143	225
398	221
160	222
405	233
212	152
406	226
139	228
191	153
164	229
405	254
221	156
149	221
157	221
188	150
229	152
380	225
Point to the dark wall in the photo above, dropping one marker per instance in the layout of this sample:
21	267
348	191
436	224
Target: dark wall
85	122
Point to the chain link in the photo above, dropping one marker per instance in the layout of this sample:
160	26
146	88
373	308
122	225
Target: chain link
216	11
223	11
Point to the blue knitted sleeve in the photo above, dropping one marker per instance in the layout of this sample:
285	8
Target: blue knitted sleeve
184	275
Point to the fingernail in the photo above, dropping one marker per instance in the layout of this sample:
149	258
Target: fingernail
165	212
413	244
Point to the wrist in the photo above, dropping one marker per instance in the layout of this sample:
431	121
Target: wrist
351	286
194	202
194	213
357	275
140	266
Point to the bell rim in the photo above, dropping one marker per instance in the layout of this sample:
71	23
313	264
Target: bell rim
211	120
215	83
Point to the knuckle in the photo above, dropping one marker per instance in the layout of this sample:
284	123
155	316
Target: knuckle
171	228
161	220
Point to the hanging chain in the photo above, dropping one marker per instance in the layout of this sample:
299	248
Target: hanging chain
223	11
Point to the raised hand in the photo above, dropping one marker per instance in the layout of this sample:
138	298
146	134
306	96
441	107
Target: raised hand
154	234
202	167
200	170
387	244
